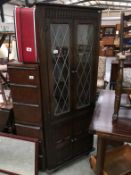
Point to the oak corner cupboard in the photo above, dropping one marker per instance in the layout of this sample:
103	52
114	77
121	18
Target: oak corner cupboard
61	88
68	44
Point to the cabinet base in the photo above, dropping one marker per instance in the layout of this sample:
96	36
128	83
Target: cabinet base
70	161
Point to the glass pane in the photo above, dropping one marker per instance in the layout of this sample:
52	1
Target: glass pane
85	38
61	68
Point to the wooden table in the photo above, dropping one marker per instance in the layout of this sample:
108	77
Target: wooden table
106	130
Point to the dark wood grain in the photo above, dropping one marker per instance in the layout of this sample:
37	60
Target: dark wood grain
65	138
27	114
65	132
26	94
29	131
22	75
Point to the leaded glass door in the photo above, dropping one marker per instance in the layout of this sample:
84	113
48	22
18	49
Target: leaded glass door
83	60
59	68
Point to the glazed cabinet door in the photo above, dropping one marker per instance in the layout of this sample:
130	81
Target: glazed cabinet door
83	60
59	66
59	77
84	82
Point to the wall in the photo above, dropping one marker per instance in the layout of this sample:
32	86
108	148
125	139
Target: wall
8	25
112	17
8	11
109	17
110	20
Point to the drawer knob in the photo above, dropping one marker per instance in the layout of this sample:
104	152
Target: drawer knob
31	77
74	71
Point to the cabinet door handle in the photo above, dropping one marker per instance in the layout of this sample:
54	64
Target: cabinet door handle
67	138
72	140
75	139
59	141
74	71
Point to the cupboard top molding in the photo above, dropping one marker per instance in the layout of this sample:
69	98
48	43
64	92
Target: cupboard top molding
65	11
68	6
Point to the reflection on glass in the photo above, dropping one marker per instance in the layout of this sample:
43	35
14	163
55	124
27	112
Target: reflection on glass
17	156
61	67
85	38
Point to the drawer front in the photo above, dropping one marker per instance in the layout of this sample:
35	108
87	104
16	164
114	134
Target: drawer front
23	94
27	114
24	76
29	131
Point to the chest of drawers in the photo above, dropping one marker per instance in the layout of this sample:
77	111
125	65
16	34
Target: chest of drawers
26	94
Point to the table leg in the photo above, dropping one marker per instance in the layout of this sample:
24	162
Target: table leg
101	148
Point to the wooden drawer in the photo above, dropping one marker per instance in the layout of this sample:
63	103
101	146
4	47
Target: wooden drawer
27	114
24	75
108	41
25	94
29	131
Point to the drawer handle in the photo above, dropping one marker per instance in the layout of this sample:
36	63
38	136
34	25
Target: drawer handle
67	138
59	141
74	71
21	85
31	77
75	139
72	140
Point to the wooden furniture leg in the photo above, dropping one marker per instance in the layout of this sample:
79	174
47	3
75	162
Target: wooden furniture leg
101	149
118	91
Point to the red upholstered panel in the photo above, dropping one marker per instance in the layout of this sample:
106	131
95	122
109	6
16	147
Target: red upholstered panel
25	33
